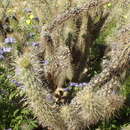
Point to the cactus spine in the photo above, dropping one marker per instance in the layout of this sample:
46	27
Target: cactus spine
36	92
100	97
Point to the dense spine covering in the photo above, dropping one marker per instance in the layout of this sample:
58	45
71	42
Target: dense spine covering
36	93
99	99
60	19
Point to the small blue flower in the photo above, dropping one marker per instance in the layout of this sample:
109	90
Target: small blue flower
44	62
18	84
35	44
73	84
67	89
22	87
10	40
6	49
76	85
14	81
8	129
84	84
36	19
1	51
81	85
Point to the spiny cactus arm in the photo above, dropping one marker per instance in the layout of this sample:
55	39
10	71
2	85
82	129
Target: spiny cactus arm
120	58
90	107
118	62
93	106
60	19
27	69
111	87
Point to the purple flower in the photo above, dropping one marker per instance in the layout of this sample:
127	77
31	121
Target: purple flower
18	84
35	44
67	89
8	129
6	49
84	84
22	87
28	10
76	85
1	57
1	51
73	84
45	62
36	19
81	85
10	40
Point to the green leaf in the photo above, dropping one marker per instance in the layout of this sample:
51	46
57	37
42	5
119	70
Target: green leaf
14	114
113	126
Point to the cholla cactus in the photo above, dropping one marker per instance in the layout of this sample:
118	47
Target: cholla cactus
59	67
27	71
100	98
